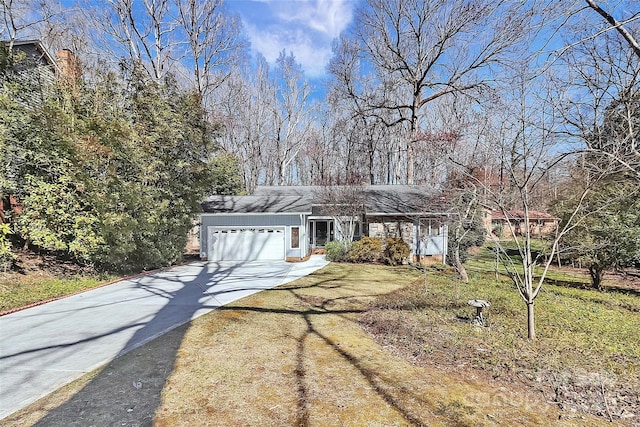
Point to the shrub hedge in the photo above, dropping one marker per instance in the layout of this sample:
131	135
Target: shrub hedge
367	249
391	251
337	251
396	250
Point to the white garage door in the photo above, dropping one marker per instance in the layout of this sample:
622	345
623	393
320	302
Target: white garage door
235	244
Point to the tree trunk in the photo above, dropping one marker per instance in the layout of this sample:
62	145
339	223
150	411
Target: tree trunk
531	325
459	265
596	274
410	164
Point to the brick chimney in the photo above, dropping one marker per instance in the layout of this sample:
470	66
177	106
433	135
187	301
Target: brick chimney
69	65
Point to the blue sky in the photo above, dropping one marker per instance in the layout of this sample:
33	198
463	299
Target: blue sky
304	27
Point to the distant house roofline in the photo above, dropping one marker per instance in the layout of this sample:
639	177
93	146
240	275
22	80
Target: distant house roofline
49	59
519	215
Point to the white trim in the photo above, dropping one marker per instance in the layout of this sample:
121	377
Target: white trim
290	239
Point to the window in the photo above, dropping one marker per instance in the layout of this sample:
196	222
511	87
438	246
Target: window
295	237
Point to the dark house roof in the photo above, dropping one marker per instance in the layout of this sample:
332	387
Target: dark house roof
374	200
270	203
35	54
403	199
518	215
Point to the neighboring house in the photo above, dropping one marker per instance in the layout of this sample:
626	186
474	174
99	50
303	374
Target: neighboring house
39	70
34	56
35	68
290	222
540	223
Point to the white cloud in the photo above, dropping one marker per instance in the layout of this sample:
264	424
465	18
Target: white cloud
311	55
329	17
304	27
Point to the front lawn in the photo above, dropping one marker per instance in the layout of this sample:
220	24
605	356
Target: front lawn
353	345
586	357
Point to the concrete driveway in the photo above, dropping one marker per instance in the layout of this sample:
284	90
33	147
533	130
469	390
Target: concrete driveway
45	347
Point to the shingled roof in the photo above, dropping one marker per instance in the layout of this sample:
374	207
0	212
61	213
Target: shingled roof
258	204
378	200
35	52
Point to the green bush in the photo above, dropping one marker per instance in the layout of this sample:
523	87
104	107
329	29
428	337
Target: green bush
396	250
367	249
337	251
6	256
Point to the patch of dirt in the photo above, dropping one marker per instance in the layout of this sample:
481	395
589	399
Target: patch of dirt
627	281
32	263
624	281
574	393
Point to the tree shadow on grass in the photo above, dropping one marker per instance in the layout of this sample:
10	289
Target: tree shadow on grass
128	390
318	306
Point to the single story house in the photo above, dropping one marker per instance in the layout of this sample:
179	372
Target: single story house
540	223
290	222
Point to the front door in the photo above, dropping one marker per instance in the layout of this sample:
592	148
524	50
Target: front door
322	229
321	232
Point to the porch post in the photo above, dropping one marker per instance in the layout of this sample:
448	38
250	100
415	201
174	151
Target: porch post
445	243
303	237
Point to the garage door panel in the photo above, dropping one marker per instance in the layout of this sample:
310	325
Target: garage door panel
246	244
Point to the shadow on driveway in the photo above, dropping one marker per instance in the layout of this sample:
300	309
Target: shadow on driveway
127	391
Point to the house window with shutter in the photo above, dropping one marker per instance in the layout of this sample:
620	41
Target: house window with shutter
295	237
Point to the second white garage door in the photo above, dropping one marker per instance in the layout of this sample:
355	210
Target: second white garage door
246	244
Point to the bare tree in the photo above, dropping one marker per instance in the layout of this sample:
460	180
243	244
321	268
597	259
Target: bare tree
139	31
291	114
213	41
617	25
245	109
422	50
527	125
601	81
465	223
345	203
26	18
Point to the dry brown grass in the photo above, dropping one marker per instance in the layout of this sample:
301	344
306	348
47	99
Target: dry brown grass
296	356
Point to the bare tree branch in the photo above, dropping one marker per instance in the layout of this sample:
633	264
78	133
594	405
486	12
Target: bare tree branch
617	25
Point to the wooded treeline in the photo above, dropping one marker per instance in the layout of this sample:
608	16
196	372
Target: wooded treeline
508	104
